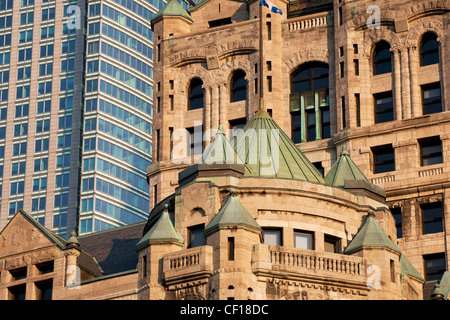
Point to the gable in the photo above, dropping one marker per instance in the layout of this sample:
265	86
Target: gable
24	234
217	10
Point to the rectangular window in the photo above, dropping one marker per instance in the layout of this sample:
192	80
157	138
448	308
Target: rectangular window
269	83
392	266
171	101
194	141
430	151
17	292
155	195
384	107
144	266
46	51
45	69
269	30
230	248
18	274
68	46
45	267
356	66
26	17
358	109
44	289
340	17
431	98
25	54
48	14
310	125
196	236
344	119
303	240
39	184
383	159
273	237
342	69
432	218
38	203
219	22
332	244
434	265
397	214
19	148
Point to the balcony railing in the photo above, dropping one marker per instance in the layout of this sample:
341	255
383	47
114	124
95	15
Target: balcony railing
294	262
186	265
309	22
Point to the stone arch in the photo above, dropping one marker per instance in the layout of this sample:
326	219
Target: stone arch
419	8
359	21
196	213
415	34
372	36
185	76
226	71
303	56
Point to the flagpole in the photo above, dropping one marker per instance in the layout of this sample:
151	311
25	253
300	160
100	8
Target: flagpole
261	58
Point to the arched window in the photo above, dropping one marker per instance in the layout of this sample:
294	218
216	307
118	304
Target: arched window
238	86
195	94
429	50
309	105
382	58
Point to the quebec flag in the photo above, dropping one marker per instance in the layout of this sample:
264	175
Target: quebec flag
270	5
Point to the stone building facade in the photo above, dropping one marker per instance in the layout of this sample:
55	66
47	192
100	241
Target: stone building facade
385	102
341	126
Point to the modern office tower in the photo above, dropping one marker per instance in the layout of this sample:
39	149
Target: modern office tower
76	111
42	92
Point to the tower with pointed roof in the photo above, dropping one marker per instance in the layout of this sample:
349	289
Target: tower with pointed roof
160	240
232	233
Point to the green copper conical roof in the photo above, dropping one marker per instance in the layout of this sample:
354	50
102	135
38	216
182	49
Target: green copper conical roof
232	214
370	235
162	231
269	152
407	268
343	169
172	8
220	151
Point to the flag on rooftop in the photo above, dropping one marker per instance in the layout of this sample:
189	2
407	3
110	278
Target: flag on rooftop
270	5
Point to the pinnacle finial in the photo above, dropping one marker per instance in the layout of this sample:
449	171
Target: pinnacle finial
73	240
344	150
371	213
166	207
261	103
233	192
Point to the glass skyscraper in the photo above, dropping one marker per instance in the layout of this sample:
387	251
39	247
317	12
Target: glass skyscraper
76	106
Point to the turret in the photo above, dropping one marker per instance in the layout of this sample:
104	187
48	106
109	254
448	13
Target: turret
232	234
160	240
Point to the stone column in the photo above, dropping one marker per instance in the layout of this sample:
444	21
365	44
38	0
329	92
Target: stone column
223	107
397	92
406	92
207	115
215	108
443	71
415	90
72	271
